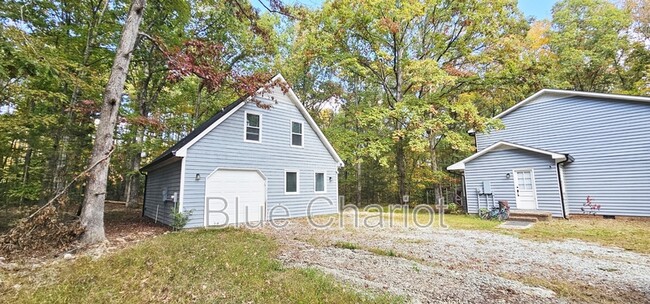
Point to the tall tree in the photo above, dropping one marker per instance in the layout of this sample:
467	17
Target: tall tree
590	42
92	214
423	55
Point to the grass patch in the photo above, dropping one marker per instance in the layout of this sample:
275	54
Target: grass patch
581	292
624	233
465	221
453	221
379	251
629	234
346	245
228	265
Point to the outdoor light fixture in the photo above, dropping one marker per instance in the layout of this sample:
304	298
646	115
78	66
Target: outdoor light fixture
330	179
508	175
198	177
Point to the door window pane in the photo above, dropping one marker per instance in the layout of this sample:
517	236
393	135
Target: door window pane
525	180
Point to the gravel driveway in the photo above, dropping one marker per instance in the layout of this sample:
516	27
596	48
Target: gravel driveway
433	265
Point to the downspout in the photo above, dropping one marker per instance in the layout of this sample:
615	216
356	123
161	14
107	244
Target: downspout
568	159
144	196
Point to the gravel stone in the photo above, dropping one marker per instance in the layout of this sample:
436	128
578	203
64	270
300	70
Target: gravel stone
434	265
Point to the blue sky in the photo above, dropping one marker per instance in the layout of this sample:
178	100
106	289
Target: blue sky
540	9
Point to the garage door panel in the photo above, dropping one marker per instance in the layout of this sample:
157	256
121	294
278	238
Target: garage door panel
235	197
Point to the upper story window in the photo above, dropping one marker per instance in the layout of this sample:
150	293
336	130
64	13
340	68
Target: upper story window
253	127
296	134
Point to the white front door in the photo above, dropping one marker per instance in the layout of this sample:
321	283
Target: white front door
235	197
525	189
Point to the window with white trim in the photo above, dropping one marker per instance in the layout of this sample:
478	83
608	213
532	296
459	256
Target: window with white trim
296	134
291	182
253	127
319	182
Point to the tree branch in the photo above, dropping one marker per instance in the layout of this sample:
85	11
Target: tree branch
65	189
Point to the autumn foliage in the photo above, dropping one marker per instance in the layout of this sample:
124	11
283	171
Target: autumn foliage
205	60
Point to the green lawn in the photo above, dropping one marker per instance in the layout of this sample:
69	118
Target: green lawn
629	234
624	233
228	265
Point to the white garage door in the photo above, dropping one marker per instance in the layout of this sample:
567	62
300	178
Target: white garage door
235	197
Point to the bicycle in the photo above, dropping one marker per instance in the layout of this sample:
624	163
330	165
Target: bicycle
500	213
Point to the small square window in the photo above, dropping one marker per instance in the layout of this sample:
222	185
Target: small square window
291	182
296	133
253	127
319	182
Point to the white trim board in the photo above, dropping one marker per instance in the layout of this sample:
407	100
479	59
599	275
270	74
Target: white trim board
460	166
181	191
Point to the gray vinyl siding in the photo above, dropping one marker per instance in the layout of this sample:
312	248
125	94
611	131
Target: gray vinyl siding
157	180
493	167
609	140
224	147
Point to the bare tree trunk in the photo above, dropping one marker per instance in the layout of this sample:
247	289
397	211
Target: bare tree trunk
146	98
358	157
433	142
358	183
60	167
133	181
197	105
28	160
400	158
92	214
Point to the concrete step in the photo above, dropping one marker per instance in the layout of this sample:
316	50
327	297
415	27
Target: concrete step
523	218
539	215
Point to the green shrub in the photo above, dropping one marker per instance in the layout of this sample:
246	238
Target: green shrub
181	219
346	245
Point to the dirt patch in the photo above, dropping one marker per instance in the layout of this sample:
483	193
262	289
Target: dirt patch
45	231
123	227
433	265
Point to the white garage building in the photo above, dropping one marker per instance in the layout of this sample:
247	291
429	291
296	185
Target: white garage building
246	164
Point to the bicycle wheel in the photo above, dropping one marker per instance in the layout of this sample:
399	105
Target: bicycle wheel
503	215
483	214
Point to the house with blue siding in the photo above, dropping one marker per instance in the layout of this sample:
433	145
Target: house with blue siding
246	164
564	152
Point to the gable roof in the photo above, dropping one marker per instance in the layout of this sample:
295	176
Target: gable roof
551	94
196	132
180	148
460	166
